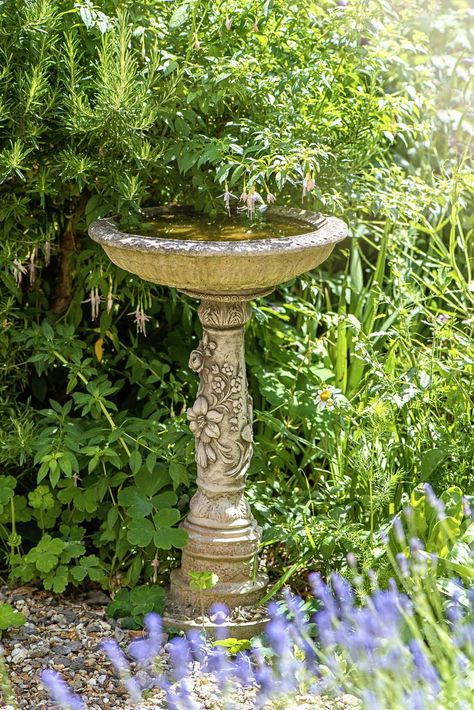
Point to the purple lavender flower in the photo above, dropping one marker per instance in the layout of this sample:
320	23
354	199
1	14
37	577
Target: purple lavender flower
120	663
398	530
243	670
180	657
147	649
60	692
403	564
425	669
435	502
466	508
264	679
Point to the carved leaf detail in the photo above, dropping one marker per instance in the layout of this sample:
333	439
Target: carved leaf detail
247	434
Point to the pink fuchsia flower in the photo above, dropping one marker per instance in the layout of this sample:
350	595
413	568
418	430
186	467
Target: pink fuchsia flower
227	195
203	422
19	270
228	24
270	198
251	198
140	319
95	300
308	185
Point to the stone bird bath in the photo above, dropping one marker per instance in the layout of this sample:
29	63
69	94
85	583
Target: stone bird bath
223	536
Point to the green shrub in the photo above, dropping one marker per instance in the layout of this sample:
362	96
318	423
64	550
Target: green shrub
106	110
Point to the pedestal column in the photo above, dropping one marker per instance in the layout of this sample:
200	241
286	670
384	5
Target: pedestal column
223	535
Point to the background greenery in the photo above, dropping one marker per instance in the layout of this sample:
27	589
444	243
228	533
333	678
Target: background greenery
111	106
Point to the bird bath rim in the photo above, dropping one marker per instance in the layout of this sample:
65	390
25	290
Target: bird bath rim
323	231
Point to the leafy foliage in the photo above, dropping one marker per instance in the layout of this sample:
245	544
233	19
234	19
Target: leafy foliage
9	617
130	606
106	111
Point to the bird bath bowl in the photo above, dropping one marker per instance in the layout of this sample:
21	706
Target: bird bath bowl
225	273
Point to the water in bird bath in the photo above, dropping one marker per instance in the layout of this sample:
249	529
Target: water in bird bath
219	229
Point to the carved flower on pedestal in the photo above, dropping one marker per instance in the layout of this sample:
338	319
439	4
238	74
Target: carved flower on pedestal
208	346
218	384
203	422
236	385
196	360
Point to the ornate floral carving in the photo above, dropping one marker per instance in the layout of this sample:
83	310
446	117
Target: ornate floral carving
225	508
204	350
224	314
203	422
196	360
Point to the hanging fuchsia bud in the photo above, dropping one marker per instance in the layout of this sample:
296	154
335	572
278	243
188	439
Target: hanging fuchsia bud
228	24
140	320
308	185
255	26
227	195
32	265
18	271
95	300
47	252
197	45
110	300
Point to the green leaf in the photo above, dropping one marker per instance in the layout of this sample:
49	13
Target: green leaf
430	461
179	16
146	482
9	617
166	517
57	580
135	461
131	606
89	566
45	555
137	504
140	532
164	500
443	536
179	474
200	581
166	538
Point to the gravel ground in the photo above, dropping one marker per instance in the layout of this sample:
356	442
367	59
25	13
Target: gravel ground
66	636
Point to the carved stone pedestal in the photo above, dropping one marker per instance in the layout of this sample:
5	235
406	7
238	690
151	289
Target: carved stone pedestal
223	535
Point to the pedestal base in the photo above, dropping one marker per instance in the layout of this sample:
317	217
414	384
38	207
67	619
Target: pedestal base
245	619
235	630
232	594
